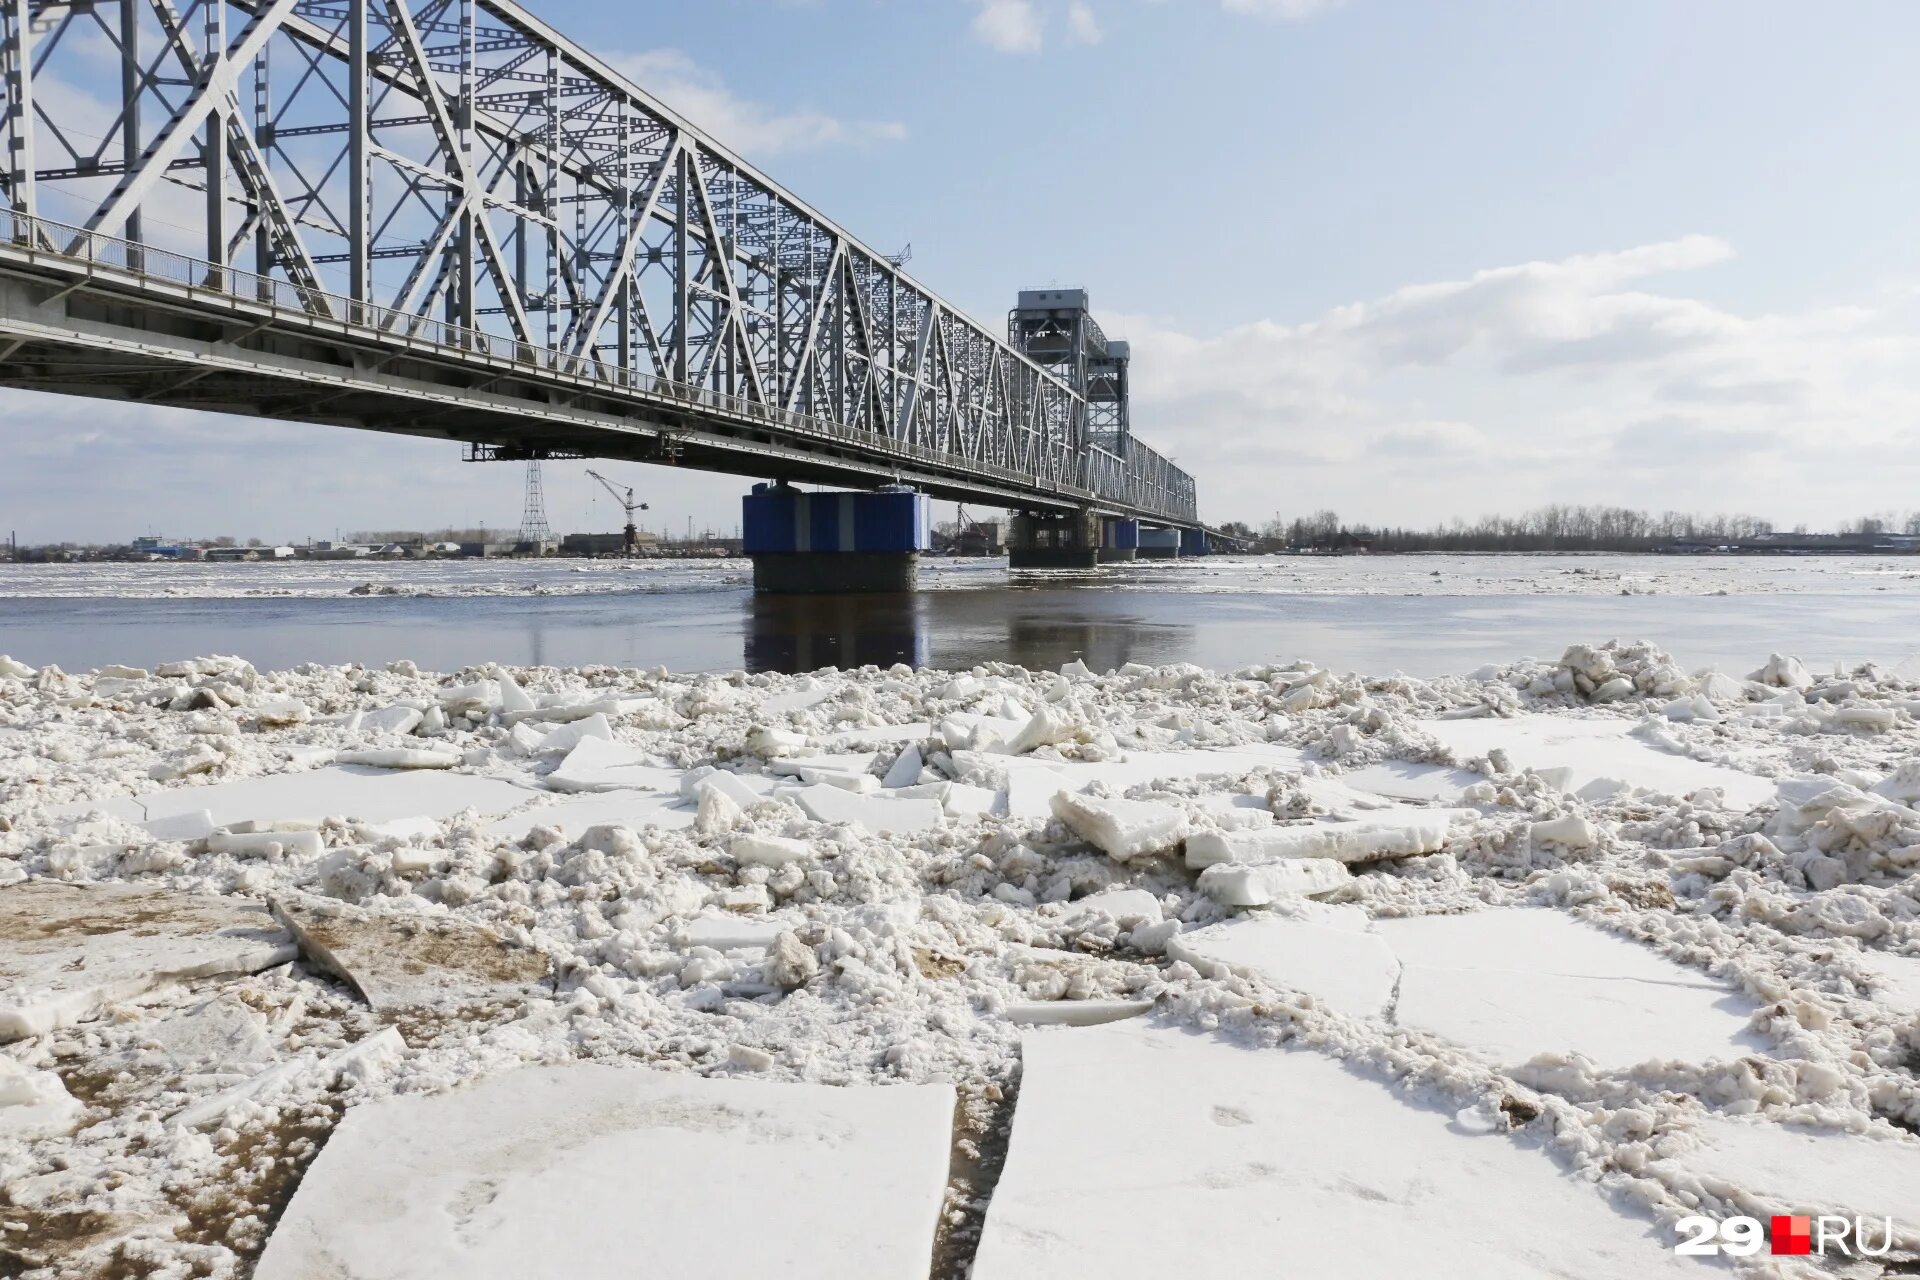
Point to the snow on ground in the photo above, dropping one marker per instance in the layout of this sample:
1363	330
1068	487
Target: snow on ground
1352	934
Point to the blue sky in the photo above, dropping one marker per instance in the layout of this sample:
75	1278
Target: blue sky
1408	260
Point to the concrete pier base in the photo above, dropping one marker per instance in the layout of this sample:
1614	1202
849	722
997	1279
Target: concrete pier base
835	572
1159	544
1118	555
1049	541
1119	540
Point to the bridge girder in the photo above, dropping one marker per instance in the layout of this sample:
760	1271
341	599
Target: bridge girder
457	173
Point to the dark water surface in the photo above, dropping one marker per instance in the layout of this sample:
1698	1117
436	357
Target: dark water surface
1218	619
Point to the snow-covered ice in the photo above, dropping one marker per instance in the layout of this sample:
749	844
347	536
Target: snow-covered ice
588	1171
844	881
1140	1149
1514	984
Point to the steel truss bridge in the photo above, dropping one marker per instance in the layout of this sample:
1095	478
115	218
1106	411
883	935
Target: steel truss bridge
442	218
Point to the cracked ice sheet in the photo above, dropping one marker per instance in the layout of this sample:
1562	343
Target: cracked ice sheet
1802	1170
1515	983
1230	1159
544	1171
1594	749
352	792
67	953
1327	952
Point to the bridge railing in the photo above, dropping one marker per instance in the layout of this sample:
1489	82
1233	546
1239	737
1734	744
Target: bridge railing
1105	477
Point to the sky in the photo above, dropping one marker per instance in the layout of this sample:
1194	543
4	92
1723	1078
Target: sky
1405	260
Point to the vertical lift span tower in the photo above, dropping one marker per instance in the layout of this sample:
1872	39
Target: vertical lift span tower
1055	329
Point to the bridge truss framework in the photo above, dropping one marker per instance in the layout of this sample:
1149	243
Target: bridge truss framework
441	217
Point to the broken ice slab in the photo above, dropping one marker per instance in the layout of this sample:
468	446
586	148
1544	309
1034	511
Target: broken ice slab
1795	1169
1074	1013
357	794
1327	952
573	818
599	765
1125	907
68	952
726	932
311	1070
399	758
34	1104
877	813
1236	884
1369	841
598	1172
1231	1158
412	964
1122	829
1515	983
1593	751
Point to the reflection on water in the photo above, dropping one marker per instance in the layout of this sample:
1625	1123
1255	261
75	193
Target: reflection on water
955	629
805	633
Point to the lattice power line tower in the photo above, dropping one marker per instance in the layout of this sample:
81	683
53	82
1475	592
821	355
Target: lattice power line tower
534	529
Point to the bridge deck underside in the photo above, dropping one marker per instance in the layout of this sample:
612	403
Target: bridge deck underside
126	339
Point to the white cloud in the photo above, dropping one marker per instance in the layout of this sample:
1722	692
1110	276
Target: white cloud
746	126
1011	26
1082	26
1569	380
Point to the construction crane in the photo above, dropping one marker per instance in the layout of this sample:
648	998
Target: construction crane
628	505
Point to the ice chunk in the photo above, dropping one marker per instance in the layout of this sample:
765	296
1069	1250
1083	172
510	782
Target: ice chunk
905	770
1122	829
1343	841
1783	672
1125	907
769	851
68	952
961	800
412	964
1571	830
570	735
1232	884
1525	981
1074	1013
391	720
598	764
194	825
1048	725
530	1173
13	670
1323	954
877	813
34	1104
1289	1164
399	758
361	1059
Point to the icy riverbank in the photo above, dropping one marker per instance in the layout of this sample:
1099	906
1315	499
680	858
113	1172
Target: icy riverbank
1613	935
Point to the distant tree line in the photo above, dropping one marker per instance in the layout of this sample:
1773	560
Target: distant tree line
1551	528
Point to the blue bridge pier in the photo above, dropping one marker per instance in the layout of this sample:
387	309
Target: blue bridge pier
834	542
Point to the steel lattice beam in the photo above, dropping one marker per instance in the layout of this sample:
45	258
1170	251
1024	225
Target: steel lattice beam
456	172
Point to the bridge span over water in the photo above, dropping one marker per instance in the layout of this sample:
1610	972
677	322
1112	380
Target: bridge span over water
442	218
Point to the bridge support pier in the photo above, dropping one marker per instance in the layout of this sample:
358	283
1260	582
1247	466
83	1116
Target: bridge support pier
1119	540
834	542
1193	542
1159	544
1050	541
